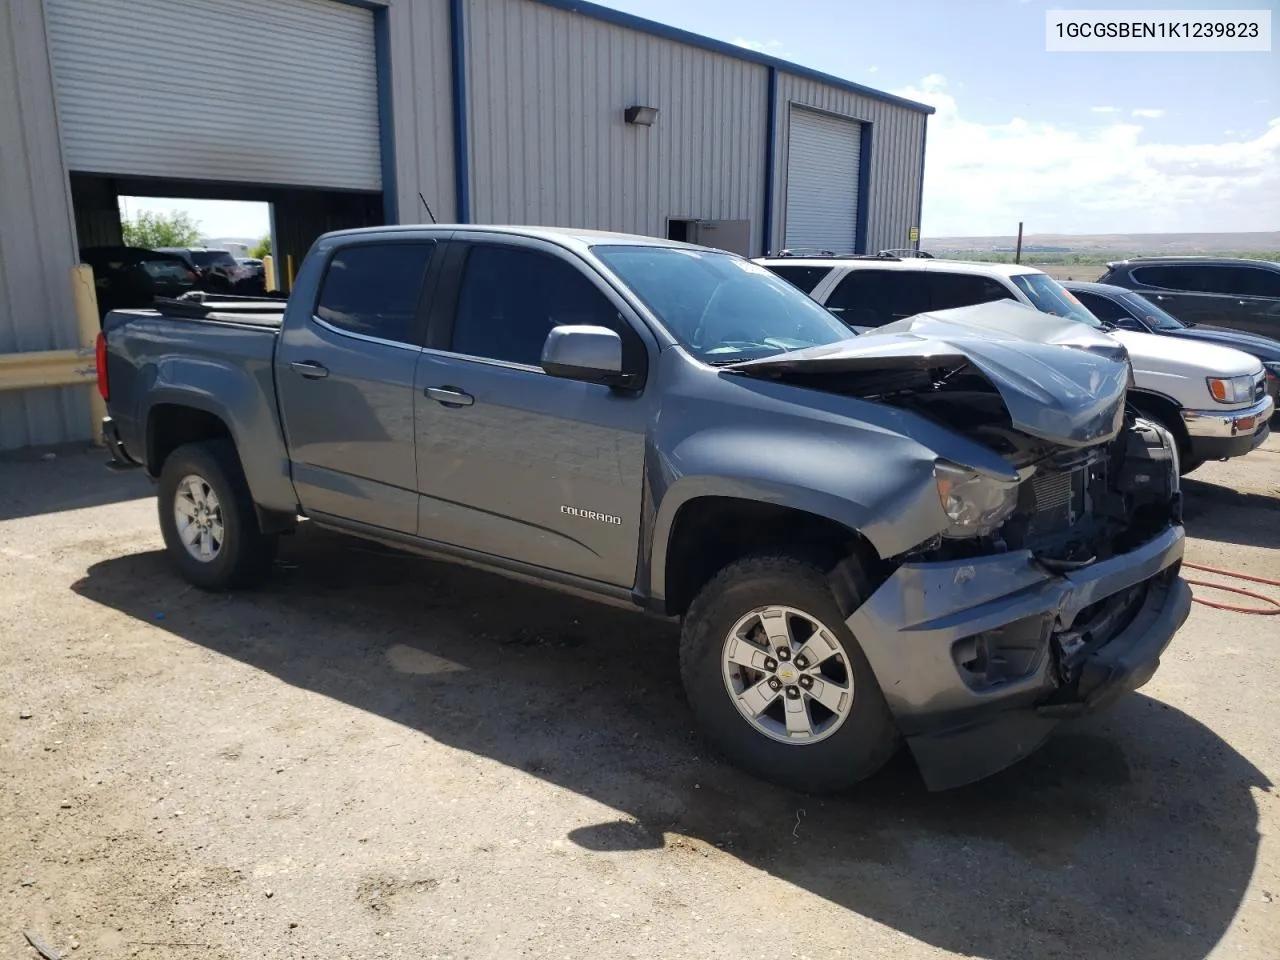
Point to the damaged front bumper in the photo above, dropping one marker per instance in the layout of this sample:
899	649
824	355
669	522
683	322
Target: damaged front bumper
979	659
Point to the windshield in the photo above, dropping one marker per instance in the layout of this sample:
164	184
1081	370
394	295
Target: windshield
720	307
1149	312
1049	296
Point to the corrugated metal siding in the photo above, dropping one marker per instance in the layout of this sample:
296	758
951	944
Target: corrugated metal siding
893	193
822	181
281	92
421	94
549	145
37	248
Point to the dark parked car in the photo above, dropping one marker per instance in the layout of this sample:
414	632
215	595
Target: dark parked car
218	268
253	277
1132	311
134	276
1240	294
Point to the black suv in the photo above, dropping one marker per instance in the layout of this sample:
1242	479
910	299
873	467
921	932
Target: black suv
1241	294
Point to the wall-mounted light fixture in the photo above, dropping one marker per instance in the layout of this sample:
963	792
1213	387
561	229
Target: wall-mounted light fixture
641	116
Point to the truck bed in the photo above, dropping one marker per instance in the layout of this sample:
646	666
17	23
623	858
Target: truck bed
244	312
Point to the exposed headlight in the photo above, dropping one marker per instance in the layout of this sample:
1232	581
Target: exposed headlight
1231	389
975	504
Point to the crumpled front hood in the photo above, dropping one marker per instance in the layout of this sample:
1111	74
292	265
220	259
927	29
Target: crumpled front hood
1060	380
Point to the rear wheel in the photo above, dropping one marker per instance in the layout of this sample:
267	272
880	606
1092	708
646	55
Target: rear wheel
207	518
777	680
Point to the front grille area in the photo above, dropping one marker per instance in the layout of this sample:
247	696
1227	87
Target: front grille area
1052	491
1260	386
1050	505
1056	502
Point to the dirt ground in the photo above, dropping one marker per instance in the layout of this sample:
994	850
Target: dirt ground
383	756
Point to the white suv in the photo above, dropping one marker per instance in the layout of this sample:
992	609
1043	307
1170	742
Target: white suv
1212	399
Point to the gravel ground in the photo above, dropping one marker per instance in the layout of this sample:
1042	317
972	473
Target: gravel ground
383	756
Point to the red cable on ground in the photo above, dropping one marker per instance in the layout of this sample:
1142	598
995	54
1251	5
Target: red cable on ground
1275	604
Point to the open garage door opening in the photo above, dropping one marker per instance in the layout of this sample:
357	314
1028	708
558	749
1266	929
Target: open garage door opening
290	217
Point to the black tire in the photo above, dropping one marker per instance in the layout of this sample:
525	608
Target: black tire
244	555
1169	418
857	749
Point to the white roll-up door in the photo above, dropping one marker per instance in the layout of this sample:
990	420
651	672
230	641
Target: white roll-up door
822	182
238	90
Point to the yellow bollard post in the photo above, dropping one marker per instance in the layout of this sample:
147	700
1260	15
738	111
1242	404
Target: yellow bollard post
269	273
88	326
290	260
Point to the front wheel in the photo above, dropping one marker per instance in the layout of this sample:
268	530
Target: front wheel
777	680
207	518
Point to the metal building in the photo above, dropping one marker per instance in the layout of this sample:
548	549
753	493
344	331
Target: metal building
341	112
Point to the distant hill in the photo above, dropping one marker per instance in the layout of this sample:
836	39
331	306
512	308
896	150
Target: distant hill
1151	244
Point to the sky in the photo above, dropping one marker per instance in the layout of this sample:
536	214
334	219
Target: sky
1067	142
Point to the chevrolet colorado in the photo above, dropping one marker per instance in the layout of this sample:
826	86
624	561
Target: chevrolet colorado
952	531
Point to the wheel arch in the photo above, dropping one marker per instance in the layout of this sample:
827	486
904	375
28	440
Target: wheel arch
711	531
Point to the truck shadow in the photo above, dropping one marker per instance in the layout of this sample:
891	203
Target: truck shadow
1212	511
1133	834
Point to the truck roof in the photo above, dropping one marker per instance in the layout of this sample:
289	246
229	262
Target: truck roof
565	236
933	264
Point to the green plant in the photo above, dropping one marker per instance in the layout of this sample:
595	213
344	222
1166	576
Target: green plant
261	249
151	230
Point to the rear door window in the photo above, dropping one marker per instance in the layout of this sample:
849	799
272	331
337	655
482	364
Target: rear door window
373	290
1167	278
949	290
806	278
872	298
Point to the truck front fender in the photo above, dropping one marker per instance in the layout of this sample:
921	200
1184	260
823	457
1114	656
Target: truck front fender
879	485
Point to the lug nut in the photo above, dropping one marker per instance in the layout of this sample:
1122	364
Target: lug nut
806	682
784	654
770	663
775	683
802	663
793	693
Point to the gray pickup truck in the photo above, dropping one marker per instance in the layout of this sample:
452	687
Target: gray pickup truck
952	531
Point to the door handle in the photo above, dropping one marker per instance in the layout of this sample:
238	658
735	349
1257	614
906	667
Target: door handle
450	396
310	369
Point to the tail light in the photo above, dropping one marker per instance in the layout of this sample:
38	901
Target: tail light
100	361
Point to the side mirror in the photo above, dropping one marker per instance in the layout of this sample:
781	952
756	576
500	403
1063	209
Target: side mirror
588	353
1128	323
